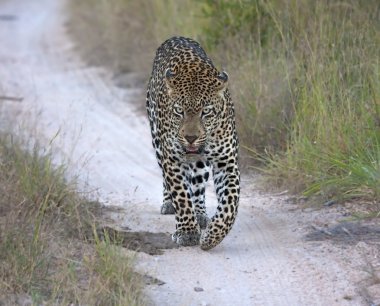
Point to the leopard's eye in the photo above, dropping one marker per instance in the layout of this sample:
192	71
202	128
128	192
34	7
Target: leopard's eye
178	110
207	111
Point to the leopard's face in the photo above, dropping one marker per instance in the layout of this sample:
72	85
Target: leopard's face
196	111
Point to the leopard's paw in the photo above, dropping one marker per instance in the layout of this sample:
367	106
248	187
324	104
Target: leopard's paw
211	237
186	237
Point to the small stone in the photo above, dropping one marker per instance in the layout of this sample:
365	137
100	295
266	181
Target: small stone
198	289
329	203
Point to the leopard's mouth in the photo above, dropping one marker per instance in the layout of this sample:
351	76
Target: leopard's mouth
192	150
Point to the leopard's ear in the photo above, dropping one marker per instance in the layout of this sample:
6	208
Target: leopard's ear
222	83
169	80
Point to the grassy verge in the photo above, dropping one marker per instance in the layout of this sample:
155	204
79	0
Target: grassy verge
44	256
304	76
333	142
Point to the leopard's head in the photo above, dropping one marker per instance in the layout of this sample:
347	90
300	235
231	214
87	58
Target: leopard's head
198	103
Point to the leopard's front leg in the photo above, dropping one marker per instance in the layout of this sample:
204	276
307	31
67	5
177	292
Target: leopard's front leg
187	229
197	179
226	181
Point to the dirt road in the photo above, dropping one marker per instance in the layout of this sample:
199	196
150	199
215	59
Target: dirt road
265	260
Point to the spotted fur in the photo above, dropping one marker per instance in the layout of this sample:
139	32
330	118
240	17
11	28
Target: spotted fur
193	131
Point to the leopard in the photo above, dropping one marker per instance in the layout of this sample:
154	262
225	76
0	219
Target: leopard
192	123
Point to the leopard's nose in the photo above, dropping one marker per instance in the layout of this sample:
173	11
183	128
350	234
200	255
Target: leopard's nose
191	138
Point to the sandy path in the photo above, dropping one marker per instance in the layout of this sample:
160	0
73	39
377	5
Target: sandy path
263	261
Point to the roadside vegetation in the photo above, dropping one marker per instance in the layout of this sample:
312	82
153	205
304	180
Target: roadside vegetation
50	253
305	78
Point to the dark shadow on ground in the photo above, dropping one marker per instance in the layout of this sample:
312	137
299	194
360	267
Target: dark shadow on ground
147	242
346	233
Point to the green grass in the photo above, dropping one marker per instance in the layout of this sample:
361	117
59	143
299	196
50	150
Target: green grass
44	222
334	136
304	79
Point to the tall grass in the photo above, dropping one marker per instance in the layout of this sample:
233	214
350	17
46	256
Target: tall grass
44	223
304	79
333	145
